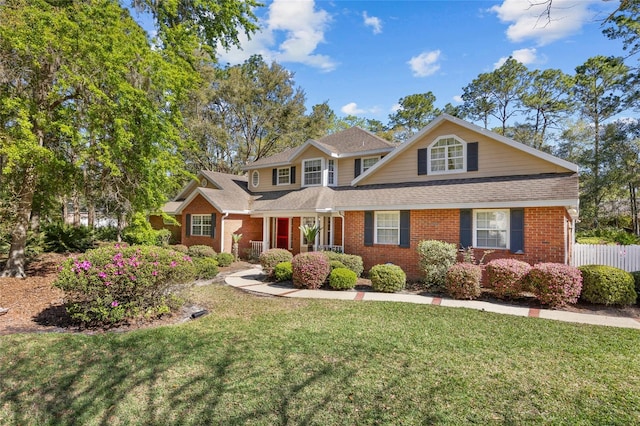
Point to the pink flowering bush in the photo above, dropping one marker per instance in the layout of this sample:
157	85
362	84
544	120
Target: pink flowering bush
111	284
462	281
310	270
555	284
507	276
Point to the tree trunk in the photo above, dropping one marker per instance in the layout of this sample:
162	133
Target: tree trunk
76	210
635	220
15	266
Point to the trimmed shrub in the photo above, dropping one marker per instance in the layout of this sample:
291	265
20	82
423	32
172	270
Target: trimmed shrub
435	258
206	267
607	285
181	248
225	259
283	271
636	279
335	264
270	258
555	284
463	281
200	250
310	270
342	279
140	232
506	276
115	283
350	261
387	278
65	238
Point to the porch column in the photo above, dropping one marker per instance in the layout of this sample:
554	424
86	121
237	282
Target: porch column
265	233
331	231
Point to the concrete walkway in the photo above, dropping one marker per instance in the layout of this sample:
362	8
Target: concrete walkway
252	280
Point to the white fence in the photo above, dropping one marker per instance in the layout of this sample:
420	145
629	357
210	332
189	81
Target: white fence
623	257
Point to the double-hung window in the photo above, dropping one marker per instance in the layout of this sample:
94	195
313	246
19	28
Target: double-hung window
201	224
284	176
491	229
368	162
387	227
446	155
312	172
331	173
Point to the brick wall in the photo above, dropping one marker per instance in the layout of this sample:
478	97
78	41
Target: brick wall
199	205
176	231
249	227
544	239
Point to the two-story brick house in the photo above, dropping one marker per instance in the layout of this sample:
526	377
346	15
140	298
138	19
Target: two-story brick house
453	181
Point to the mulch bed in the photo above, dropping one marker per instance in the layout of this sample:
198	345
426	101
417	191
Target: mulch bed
35	306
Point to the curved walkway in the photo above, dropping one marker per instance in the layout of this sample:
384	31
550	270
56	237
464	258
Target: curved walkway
252	280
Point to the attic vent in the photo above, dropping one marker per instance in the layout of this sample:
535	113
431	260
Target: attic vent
203	183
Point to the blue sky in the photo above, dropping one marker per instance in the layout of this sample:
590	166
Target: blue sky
363	56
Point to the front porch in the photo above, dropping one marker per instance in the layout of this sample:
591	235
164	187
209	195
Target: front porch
283	231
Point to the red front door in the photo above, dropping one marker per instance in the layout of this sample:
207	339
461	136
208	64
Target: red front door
282	233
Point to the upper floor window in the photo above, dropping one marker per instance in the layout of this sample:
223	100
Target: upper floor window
255	178
312	172
331	173
446	155
284	176
368	162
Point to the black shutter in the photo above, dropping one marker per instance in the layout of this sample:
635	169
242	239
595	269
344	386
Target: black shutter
213	225
188	225
368	228
405	232
517	230
292	173
356	168
274	177
422	161
472	157
466	228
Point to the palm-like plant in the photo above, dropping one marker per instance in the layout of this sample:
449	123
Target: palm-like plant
234	248
310	232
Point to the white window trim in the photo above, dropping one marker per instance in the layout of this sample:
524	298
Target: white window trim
444	172
375	226
362	169
288	169
335	172
507	213
255	179
322	172
200	225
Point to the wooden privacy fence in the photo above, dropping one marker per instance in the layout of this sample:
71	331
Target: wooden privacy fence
623	257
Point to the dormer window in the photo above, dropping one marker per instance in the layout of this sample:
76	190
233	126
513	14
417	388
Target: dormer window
312	172
446	155
284	176
368	162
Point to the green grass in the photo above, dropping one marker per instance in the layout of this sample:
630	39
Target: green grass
265	361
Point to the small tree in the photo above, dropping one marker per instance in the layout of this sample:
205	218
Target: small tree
310	232
234	248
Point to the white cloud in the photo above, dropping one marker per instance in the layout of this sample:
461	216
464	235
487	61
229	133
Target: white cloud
395	108
524	56
302	29
425	64
458	99
352	109
528	20
373	22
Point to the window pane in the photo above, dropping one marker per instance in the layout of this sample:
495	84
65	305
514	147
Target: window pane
283	176
313	172
387	236
491	229
367	163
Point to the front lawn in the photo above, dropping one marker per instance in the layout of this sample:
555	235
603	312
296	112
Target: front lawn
259	360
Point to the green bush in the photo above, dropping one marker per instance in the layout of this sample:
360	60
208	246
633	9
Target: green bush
607	285
507	276
335	264
140	232
387	278
434	259
607	235
65	238
115	283
283	271
206	267
200	250
180	248
342	279
636	279
463	281
270	258
225	259
350	261
106	233
555	284
310	270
